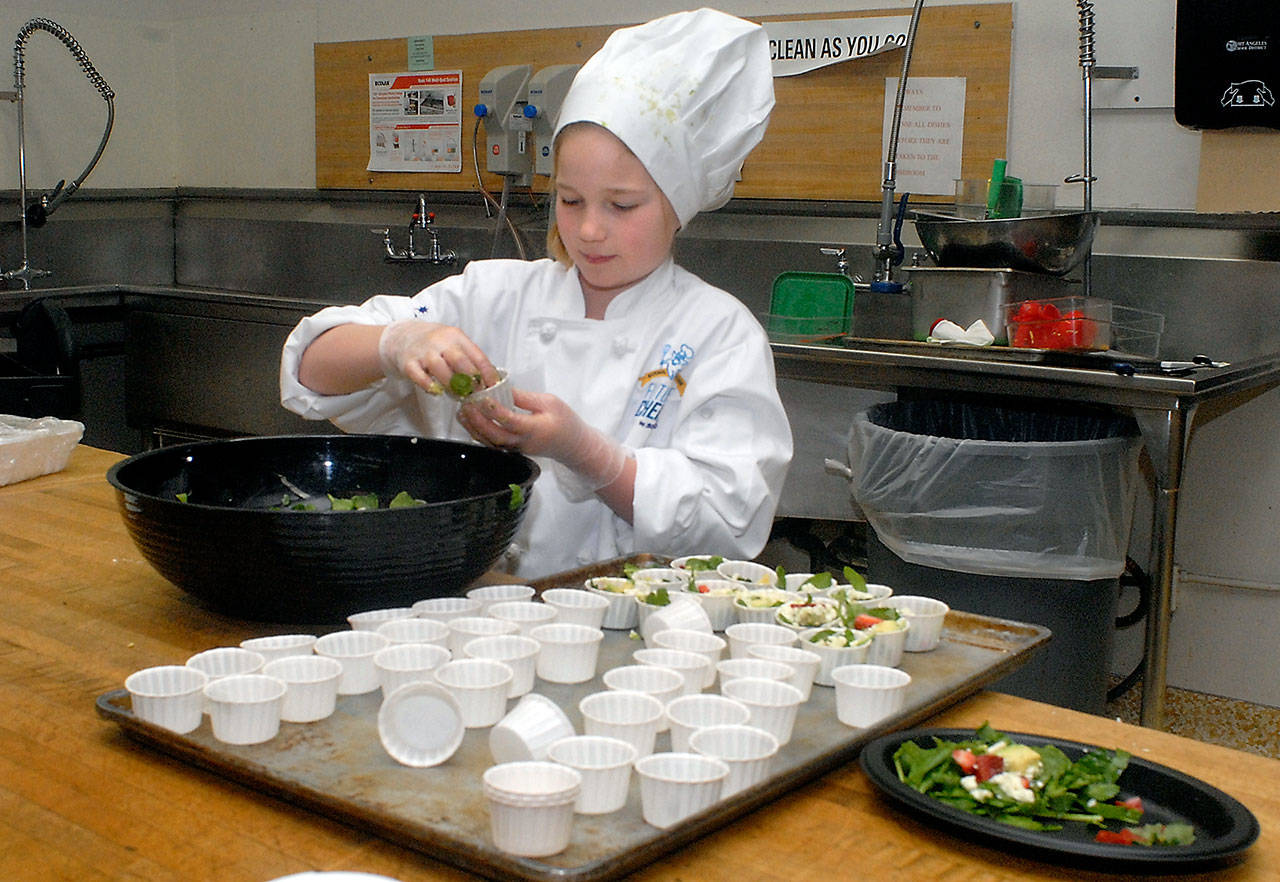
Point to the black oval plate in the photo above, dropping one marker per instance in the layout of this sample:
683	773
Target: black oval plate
1224	828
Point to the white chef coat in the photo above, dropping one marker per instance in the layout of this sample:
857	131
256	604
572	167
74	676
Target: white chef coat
678	371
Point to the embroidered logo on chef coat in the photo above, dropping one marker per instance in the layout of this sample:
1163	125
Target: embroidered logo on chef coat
659	384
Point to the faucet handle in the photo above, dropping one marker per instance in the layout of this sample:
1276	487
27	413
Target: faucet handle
381	231
842	260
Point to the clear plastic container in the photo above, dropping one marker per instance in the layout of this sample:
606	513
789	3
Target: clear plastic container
1061	323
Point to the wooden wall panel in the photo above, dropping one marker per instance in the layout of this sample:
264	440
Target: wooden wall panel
824	138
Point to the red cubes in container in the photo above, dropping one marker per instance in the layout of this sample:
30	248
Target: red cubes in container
1068	323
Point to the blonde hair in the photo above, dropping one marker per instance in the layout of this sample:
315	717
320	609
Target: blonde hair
555	245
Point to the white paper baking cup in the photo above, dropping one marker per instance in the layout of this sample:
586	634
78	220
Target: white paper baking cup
332	876
515	651
577	607
528	729
488	595
682	562
674	786
621	594
873	593
171	696
420	724
795	581
355	650
691	666
605	767
749	573
887	647
731	669
644	609
464	629
633	717
832	657
279	646
717	599
501	392
569	653
867	694
652	578
663	684
804	664
744	612
531	806
684	613
524	614
226	661
826	609
370	619
689	713
402	663
710	645
744	634
773	704
311	683
416	630
245	708
748	751
446	608
480	685
926	615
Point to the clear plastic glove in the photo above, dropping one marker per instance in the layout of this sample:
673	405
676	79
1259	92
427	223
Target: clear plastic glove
543	425
430	353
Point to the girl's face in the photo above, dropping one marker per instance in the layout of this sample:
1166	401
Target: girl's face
615	223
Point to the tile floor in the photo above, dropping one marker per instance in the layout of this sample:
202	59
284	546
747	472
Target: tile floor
1242	725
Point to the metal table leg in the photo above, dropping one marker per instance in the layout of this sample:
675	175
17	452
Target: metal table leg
1165	435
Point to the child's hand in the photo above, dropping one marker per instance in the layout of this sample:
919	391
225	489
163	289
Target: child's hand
546	426
429	354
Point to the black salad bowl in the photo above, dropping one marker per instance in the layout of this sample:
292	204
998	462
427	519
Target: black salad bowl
247	525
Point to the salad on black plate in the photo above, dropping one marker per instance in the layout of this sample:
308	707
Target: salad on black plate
1033	787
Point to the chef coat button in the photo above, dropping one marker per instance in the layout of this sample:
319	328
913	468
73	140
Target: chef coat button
621	346
547	332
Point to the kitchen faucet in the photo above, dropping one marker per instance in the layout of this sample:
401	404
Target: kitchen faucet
888	251
423	221
38	212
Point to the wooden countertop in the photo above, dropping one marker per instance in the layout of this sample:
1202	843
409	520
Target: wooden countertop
80	800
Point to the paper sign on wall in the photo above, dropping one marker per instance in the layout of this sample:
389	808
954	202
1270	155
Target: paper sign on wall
932	135
799	46
415	121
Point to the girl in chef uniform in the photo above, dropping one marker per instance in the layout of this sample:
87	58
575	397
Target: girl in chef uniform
647	395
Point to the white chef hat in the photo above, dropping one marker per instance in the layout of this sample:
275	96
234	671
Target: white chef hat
689	94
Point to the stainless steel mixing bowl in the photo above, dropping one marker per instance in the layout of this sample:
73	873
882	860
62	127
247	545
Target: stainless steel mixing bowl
1051	243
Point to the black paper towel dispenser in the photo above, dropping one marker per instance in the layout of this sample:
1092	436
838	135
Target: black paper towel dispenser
1227	64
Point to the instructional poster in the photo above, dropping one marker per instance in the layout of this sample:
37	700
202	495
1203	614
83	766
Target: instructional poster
415	121
797	47
932	134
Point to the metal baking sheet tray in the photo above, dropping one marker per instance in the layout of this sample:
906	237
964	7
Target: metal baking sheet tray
338	768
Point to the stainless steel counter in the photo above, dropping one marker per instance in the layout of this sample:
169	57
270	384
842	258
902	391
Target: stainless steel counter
1163	407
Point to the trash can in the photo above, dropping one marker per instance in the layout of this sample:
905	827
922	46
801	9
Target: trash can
1015	512
41	378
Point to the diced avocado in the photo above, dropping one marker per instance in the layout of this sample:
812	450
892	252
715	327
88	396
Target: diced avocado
1017	757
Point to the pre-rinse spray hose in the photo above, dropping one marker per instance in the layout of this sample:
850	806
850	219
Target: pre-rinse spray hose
59	195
